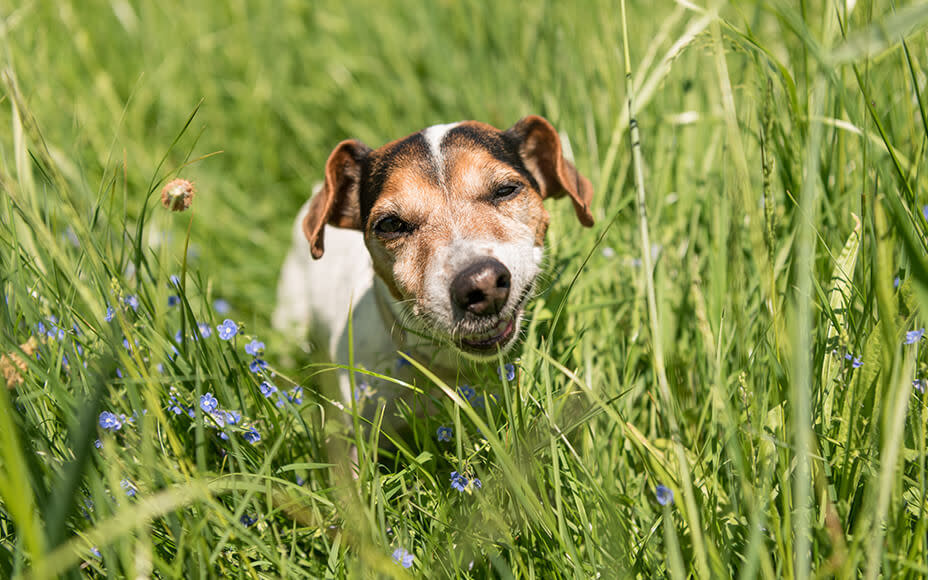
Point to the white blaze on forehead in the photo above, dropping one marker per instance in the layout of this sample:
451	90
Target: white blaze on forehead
433	136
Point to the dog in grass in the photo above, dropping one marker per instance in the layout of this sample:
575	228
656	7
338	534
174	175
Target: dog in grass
430	244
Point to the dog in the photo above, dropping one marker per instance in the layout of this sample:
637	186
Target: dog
431	244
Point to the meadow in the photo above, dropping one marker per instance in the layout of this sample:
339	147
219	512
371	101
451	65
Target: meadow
723	378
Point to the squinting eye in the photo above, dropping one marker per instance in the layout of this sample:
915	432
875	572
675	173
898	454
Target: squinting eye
504	192
392	227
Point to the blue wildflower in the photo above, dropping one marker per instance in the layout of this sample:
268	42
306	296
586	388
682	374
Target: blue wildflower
508	371
257	365
219	417
252	436
205	330
664	494
221	306
296	395
52	330
444	433
247	520
178	337
254	348
176	409
267	389
110	421
919	385
299	480
925	212
208	403
478	402
175	280
232	417
896	282
402	557
467	392
458	481
461	483
173	300
913	336
110	313
118	372
360	391
223	435
126	345
402	362
127	485
855	361
95	552
98	444
132	301
227	329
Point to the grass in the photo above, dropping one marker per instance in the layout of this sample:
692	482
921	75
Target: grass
733	328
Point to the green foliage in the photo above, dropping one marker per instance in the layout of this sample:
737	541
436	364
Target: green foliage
760	370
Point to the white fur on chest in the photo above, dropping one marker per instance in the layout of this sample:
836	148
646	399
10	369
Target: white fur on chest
316	297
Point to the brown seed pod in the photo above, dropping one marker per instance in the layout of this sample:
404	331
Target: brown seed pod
13	367
177	195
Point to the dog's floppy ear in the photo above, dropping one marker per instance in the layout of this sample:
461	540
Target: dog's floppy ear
540	149
337	203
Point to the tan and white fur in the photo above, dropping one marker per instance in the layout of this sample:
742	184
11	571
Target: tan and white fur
432	242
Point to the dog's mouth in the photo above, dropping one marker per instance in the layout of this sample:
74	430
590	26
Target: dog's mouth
487	341
499	336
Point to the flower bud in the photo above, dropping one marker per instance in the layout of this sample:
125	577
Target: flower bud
177	195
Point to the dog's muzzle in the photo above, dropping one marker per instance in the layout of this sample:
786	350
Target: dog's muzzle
482	288
481	291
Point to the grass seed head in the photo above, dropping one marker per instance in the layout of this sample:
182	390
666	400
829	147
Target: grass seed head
177	195
13	367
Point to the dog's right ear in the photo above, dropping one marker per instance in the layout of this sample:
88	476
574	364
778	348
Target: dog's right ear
338	202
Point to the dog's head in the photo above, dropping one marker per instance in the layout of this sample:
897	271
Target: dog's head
454	221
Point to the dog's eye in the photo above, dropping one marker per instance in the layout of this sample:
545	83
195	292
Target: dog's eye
505	192
392	226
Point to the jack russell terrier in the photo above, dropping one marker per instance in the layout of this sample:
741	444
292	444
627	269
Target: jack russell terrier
437	241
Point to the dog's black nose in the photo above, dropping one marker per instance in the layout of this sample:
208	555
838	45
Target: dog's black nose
481	288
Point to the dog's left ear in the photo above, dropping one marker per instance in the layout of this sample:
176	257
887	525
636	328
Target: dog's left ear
337	203
540	149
